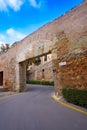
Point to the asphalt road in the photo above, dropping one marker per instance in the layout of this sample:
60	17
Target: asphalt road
35	110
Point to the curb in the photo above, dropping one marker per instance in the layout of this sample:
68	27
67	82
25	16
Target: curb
67	105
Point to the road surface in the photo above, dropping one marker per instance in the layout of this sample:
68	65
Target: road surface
35	110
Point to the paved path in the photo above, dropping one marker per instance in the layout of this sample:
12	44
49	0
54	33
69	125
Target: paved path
35	110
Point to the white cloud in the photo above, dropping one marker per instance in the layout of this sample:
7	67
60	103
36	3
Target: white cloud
34	3
15	34
3	5
10	36
14	4
2	39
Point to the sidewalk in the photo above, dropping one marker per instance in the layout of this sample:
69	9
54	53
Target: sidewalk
6	94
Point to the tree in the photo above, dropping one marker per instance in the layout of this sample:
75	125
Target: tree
4	48
7	46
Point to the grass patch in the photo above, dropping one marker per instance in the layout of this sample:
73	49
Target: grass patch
75	96
51	83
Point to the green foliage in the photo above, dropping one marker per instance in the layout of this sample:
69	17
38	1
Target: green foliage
51	83
75	96
37	61
4	48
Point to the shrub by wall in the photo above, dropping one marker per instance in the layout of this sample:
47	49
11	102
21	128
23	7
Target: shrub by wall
51	83
75	96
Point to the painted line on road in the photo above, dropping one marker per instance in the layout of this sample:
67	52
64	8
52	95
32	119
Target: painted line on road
67	105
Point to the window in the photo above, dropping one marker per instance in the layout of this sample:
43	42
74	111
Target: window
45	58
42	73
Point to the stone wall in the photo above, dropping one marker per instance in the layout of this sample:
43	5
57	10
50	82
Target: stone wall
8	66
74	73
41	72
73	24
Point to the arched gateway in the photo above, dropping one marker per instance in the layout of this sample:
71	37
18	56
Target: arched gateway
65	38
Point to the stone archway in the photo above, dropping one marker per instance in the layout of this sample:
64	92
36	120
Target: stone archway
61	53
40	48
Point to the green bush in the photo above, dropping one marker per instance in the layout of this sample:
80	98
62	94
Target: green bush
75	96
40	82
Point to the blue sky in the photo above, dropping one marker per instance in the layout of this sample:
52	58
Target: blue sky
18	18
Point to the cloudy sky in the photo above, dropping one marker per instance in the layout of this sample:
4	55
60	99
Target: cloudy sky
18	18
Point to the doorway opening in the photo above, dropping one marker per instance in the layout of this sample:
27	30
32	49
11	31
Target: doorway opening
1	78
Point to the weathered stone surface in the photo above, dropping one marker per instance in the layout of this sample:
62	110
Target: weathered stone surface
74	73
41	72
